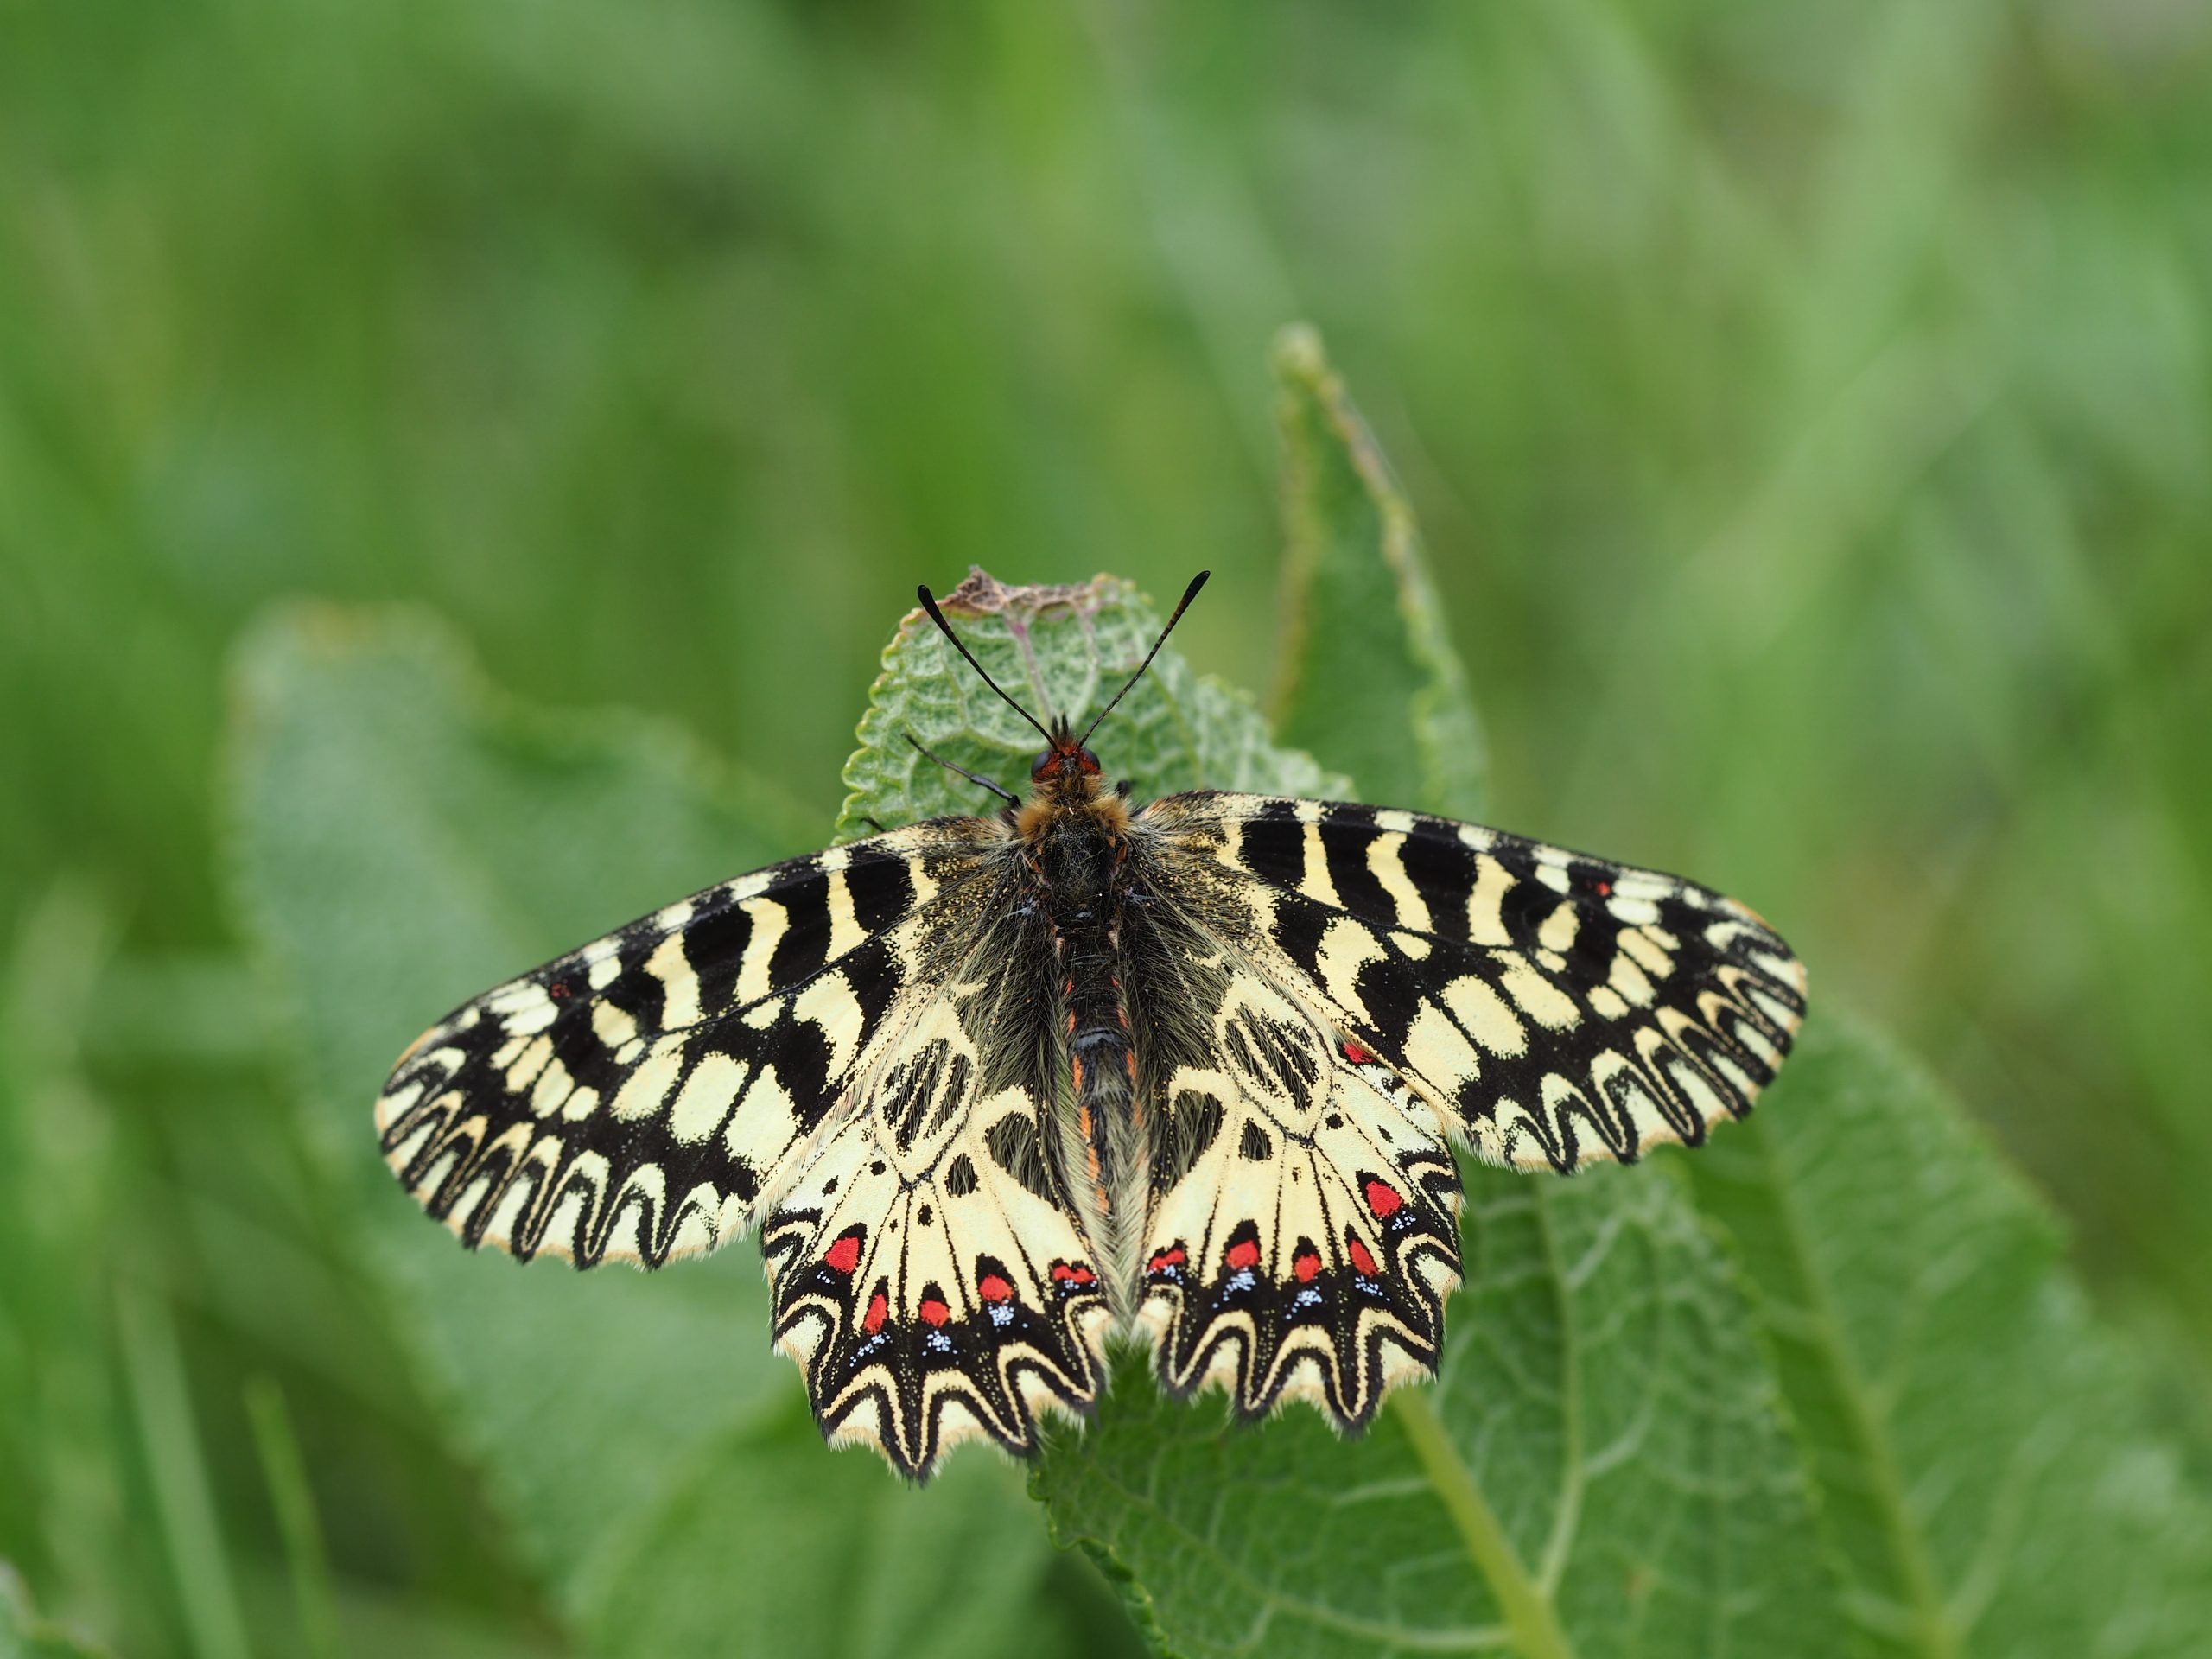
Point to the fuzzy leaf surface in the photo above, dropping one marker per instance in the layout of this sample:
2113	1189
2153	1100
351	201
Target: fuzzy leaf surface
1061	649
1980	1443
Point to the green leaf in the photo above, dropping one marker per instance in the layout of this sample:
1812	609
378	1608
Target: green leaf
1985	1475
403	840
1981	1445
1601	1469
1369	678
1063	649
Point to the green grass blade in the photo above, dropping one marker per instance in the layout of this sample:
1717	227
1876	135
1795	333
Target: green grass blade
285	1472
191	1530
1368	680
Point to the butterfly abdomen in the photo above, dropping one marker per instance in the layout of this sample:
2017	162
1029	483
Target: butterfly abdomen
1105	1144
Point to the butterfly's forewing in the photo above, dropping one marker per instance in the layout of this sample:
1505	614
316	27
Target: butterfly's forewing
642	1097
1554	1008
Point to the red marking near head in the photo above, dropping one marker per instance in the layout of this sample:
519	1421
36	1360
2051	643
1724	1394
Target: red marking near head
934	1311
995	1289
1308	1268
877	1307
1382	1200
1065	753
1355	1053
1163	1259
844	1255
1242	1255
1361	1259
1077	1275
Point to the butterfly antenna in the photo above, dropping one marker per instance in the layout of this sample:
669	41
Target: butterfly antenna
1181	605
977	778
929	604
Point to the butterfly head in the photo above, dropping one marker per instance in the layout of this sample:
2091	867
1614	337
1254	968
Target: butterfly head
1066	774
1066	761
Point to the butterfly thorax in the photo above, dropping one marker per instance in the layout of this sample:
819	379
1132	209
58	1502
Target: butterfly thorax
1075	835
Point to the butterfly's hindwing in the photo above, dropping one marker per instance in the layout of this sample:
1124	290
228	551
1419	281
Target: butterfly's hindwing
929	1276
1558	1007
641	1098
1304	1235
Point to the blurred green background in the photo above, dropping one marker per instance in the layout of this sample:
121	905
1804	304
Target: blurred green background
1808	405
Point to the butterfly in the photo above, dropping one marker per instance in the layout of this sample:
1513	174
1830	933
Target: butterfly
993	1089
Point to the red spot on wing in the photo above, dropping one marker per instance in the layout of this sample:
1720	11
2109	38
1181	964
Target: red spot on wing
1383	1200
1355	1053
1245	1253
1308	1268
558	988
1162	1260
877	1307
844	1255
934	1311
1063	1274
1603	889
995	1289
1361	1259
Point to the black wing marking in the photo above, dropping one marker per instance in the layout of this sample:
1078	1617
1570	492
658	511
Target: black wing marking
1556	1007
645	1095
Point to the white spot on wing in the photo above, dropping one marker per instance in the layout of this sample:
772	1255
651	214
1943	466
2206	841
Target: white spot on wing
1385	861
1485	917
611	1026
1345	948
645	1088
552	1088
760	1131
1436	1048
770	921
1538	998
1486	1016
529	1064
706	1096
1315	882
1558	931
845	931
679	985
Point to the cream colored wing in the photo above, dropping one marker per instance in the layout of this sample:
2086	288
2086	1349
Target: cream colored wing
1554	1008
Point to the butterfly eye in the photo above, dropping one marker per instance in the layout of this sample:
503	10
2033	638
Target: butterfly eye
1046	763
